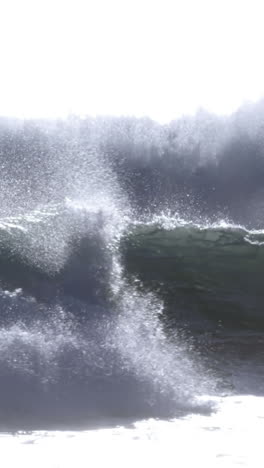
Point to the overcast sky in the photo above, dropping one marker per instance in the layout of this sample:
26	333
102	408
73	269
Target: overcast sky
144	57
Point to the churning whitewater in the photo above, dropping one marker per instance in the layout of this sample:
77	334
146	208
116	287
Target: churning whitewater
131	280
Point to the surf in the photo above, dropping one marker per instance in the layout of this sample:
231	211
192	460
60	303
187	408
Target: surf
124	266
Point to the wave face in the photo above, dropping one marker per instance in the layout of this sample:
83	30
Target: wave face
210	273
127	251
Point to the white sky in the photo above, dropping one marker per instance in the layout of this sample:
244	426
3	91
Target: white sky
144	57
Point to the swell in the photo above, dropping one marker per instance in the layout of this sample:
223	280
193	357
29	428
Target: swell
207	275
93	303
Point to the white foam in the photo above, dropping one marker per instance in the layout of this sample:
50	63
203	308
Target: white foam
231	437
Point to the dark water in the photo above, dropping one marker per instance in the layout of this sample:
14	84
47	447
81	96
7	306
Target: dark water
131	267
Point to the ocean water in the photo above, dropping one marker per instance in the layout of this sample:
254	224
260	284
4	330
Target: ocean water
131	291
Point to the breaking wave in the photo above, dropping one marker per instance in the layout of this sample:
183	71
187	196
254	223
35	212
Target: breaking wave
123	244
